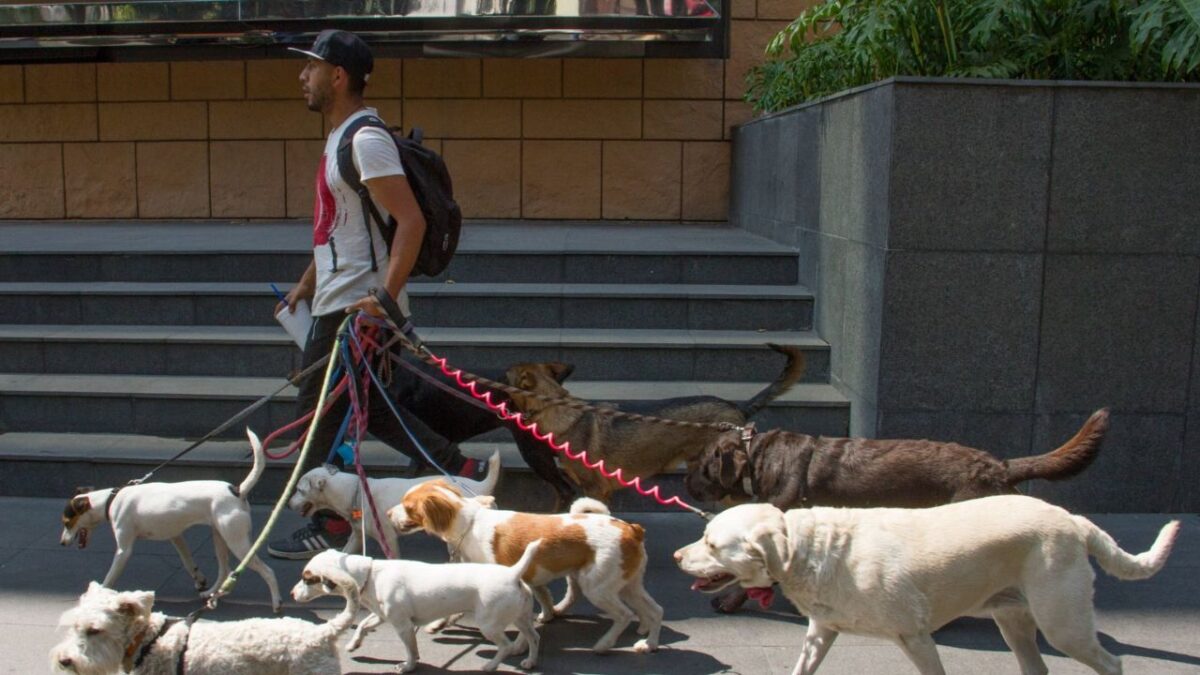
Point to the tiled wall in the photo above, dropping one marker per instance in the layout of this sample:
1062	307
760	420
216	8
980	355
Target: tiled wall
570	138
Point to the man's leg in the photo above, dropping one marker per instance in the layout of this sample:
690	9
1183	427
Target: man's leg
325	529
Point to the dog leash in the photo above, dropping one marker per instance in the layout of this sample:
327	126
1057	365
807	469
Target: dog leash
244	413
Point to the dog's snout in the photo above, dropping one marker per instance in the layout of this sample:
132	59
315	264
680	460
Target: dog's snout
66	662
678	556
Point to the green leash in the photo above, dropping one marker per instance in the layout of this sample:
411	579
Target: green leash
232	579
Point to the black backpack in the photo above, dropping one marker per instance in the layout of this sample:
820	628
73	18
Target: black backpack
430	182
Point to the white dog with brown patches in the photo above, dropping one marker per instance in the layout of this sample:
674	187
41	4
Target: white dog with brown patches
601	556
327	488
162	511
901	574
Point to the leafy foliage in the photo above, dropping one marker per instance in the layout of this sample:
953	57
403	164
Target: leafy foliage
841	44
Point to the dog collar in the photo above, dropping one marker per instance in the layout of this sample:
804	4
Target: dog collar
108	503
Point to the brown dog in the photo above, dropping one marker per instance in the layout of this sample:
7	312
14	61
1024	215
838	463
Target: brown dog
640	448
791	470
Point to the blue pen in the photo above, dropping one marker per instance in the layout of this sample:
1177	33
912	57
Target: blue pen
279	294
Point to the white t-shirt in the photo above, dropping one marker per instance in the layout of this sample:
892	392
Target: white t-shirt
341	245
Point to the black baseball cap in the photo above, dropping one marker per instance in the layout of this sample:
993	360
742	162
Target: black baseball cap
342	48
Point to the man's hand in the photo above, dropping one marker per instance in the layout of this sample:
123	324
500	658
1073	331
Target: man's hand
303	290
369	305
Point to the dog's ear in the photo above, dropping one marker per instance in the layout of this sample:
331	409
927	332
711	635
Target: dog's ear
766	542
436	512
136	603
331	469
83	490
732	466
560	371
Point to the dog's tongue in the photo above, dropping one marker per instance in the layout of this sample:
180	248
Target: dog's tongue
764	595
81	538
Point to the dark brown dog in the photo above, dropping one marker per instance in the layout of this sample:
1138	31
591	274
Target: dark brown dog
791	470
639	448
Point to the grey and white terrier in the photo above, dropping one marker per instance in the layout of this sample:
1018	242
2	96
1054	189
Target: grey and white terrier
119	631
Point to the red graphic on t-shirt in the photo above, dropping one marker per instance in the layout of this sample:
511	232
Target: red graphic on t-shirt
323	207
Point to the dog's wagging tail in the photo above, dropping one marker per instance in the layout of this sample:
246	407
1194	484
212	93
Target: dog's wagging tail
793	370
1067	461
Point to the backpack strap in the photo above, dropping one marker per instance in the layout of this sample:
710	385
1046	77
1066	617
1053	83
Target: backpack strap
349	173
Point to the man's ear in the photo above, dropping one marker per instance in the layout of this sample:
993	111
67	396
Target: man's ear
732	466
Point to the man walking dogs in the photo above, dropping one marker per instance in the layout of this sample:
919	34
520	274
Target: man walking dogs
348	260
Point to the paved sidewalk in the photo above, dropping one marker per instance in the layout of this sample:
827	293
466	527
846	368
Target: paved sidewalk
1154	625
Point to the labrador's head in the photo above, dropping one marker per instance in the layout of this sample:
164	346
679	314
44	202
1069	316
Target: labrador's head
719	471
745	545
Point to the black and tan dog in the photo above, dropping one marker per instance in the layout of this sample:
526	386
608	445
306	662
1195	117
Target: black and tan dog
790	470
639	448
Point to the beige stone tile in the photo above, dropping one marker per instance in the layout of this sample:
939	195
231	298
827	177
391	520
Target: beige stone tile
442	78
300	171
705	181
487	177
173	180
33	180
60	82
133	81
208	80
747	41
274	78
602	78
231	120
783	9
522	78
12	84
736	114
743	9
166	121
683	119
582	119
560	179
642	179
100	180
685	78
247	179
48	122
464	118
386	79
390	110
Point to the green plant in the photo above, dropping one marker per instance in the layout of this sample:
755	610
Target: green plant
846	43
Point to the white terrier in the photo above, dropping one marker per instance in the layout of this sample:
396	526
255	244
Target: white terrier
111	631
159	511
326	488
406	593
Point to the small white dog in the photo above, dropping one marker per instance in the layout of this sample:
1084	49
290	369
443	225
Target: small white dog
160	511
601	556
901	574
111	631
325	487
407	593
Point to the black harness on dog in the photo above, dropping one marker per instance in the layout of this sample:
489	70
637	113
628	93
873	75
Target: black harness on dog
108	503
145	649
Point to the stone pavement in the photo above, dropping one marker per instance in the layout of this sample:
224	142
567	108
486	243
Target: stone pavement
1154	625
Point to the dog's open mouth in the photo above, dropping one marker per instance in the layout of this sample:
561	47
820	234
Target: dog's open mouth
81	537
306	509
714	583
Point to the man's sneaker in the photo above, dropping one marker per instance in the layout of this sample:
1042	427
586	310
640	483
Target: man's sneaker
474	469
308	541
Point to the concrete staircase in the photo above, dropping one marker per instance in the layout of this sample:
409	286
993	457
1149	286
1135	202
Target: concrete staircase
121	341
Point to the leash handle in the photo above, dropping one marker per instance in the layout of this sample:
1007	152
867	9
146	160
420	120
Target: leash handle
403	323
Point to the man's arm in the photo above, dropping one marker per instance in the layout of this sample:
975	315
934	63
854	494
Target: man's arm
303	290
395	195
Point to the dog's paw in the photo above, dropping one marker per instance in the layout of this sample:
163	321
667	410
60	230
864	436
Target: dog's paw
201	584
406	667
644	647
528	664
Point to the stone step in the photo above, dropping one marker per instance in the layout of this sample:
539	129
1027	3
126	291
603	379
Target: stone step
190	406
511	251
54	464
265	351
494	305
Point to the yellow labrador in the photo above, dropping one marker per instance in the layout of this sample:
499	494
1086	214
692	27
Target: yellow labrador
901	574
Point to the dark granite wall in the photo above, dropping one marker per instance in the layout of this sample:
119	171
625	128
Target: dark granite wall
993	261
